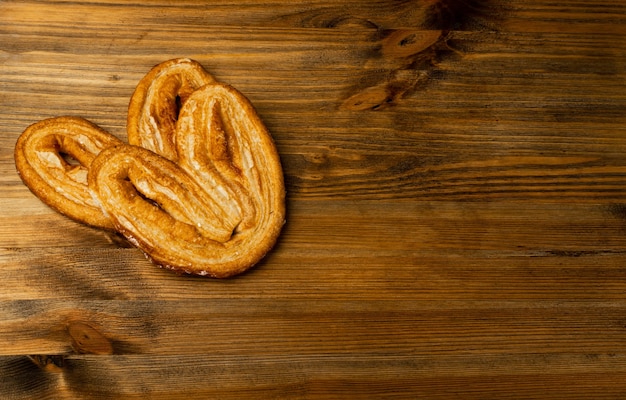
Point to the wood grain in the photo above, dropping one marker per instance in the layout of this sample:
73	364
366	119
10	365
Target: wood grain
456	204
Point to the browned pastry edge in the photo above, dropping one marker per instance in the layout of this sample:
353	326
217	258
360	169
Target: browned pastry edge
40	163
154	106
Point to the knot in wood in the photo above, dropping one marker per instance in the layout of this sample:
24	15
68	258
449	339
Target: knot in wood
401	43
86	339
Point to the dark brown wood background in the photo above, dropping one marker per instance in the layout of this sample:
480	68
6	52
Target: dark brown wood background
456	176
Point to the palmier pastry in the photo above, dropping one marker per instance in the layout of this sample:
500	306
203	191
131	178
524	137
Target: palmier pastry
199	188
53	157
157	99
219	209
224	144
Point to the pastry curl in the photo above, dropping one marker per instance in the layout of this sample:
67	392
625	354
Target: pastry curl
53	158
154	106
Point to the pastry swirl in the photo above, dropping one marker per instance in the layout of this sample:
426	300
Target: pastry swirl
199	187
42	157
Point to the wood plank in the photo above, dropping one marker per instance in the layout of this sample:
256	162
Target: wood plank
566	375
309	327
420	275
536	15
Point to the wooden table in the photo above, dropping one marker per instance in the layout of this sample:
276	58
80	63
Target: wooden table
456	177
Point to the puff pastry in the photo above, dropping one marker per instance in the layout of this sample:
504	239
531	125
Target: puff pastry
199	187
53	157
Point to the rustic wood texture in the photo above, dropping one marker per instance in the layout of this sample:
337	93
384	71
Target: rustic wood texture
456	178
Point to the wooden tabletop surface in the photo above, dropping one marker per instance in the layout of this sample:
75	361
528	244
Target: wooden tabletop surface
456	196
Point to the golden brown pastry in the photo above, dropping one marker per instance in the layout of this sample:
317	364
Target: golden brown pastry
223	143
199	188
155	103
53	157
